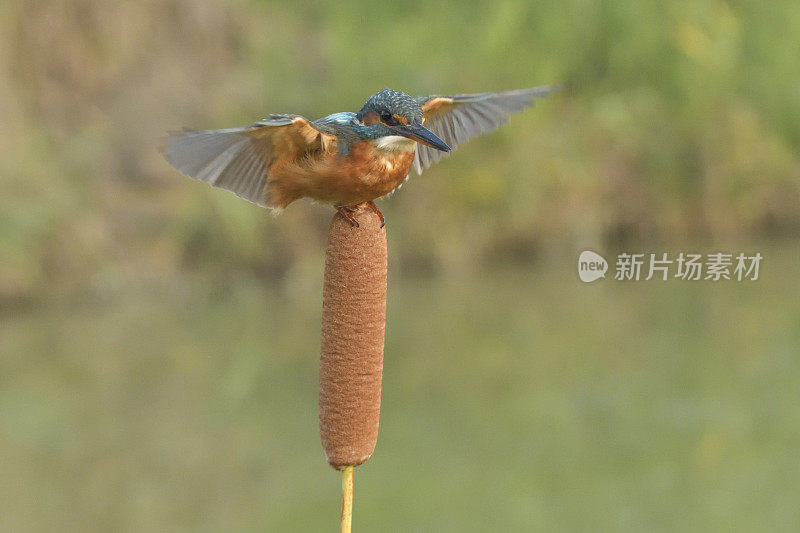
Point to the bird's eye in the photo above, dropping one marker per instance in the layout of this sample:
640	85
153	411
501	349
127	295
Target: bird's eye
387	118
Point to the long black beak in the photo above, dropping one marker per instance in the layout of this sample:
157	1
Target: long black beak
421	134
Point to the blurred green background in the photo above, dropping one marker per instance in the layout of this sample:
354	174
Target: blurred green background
159	339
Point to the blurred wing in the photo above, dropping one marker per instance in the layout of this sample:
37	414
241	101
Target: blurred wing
239	159
456	119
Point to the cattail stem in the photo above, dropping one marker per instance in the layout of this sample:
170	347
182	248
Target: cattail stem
347	498
351	364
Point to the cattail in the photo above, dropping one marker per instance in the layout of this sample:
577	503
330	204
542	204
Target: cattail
353	324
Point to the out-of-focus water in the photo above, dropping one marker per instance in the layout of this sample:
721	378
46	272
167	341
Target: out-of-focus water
514	400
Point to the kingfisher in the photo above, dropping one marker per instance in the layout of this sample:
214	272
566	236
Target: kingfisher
345	159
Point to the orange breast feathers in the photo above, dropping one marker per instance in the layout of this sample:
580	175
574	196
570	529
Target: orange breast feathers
366	173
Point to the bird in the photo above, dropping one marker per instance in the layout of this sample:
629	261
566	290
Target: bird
345	159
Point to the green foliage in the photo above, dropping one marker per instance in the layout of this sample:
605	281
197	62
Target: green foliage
677	118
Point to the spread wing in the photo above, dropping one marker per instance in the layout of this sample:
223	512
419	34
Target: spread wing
456	119
239	159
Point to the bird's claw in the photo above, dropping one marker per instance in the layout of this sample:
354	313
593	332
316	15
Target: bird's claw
377	211
347	213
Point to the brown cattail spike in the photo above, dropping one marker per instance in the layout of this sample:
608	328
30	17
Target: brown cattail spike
353	323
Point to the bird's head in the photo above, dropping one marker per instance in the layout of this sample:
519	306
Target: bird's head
392	113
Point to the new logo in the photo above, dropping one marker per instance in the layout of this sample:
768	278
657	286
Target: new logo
591	266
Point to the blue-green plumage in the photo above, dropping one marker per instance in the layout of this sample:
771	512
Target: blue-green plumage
349	127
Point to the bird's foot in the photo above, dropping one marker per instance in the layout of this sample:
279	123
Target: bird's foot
377	211
347	213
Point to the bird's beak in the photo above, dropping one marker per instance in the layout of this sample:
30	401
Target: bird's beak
421	134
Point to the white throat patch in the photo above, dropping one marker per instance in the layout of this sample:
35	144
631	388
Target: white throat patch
394	143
